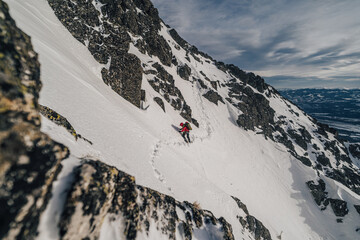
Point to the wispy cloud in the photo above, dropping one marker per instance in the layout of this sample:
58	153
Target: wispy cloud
317	40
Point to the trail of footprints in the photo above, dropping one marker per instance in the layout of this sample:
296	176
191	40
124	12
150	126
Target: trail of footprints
157	147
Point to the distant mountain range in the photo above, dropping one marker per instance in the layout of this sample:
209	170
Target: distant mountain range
339	108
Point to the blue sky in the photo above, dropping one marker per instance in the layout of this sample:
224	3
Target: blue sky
291	44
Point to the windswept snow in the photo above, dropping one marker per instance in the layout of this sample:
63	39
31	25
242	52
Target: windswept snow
222	161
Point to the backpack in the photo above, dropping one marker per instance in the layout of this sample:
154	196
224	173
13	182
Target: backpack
188	126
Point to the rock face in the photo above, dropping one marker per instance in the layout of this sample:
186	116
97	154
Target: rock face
249	222
320	196
61	121
103	27
108	28
29	159
160	102
184	71
101	193
213	97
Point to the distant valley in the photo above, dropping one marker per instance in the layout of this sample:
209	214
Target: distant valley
339	108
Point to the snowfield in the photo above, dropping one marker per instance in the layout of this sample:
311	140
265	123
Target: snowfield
223	160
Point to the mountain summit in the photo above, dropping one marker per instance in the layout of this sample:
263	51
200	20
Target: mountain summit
106	161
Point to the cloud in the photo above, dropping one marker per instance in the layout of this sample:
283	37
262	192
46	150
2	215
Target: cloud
298	39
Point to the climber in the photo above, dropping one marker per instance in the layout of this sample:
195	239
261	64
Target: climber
185	128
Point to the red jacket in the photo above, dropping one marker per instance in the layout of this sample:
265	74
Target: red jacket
184	129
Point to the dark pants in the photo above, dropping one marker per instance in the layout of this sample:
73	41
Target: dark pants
186	134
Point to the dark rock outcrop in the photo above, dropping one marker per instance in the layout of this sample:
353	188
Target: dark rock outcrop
339	207
184	71
355	150
255	107
61	121
320	196
346	176
160	102
249	222
103	27
202	84
213	97
164	84
318	192
248	78
357	207
102	192
29	159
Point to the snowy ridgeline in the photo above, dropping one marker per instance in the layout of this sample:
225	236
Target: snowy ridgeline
257	162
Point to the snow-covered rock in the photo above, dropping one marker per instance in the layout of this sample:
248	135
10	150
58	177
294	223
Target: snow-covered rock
294	174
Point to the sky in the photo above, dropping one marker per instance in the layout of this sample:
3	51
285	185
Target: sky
291	44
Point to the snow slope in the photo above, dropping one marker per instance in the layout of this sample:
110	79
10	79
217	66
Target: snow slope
223	160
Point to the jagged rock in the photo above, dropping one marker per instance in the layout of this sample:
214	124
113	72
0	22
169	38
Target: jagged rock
221	66
255	226
227	229
190	49
347	177
214	84
355	150
184	71
248	78
178	39
255	108
164	84
323	160
357	207
206	78
186	112
143	95
318	192
195	122
100	191
299	139
306	161
334	149
58	119
105	33
339	207
202	84
163	74
283	138
61	121
213	97
160	102
29	159
323	128
241	205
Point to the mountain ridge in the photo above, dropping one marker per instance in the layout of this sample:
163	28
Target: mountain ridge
250	103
